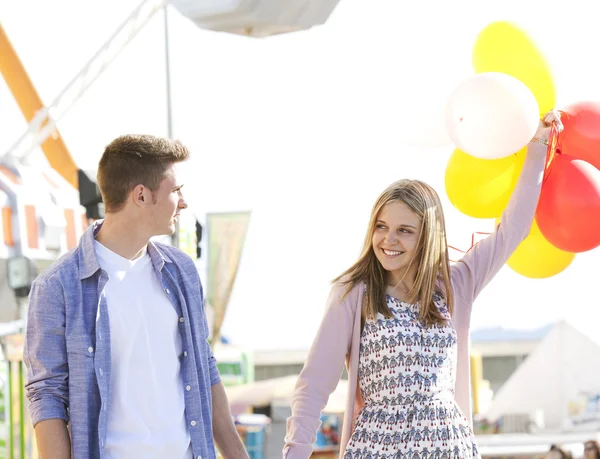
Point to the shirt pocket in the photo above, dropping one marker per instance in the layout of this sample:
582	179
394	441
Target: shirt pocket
80	356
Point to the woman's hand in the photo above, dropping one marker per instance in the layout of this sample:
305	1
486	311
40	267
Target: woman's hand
545	128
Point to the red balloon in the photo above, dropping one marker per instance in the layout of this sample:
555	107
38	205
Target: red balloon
581	136
568	213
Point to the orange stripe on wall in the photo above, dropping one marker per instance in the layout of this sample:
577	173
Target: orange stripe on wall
7	226
31	223
71	236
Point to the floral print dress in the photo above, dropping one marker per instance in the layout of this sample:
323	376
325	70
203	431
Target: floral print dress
406	374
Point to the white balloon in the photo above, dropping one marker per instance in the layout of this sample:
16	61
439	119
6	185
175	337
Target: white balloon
492	115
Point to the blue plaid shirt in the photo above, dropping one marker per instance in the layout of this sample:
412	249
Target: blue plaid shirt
67	349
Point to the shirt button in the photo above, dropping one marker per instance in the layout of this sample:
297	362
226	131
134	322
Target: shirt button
90	349
193	423
185	353
181	319
168	291
199	457
188	387
101	372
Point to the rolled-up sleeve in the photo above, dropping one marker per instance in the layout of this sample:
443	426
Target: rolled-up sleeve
215	376
45	353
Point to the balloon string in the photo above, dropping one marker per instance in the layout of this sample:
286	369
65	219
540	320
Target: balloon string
473	244
552	151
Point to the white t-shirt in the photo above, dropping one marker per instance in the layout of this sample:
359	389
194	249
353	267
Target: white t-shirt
147	407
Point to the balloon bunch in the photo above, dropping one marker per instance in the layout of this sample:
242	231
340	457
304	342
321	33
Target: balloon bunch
491	117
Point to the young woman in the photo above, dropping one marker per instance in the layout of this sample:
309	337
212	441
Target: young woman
400	318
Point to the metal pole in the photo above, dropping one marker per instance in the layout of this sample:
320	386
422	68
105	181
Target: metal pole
175	237
8	405
168	74
21	408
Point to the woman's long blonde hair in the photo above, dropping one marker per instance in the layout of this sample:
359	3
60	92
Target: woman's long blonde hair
433	265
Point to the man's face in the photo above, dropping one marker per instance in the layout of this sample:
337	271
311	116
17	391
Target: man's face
168	202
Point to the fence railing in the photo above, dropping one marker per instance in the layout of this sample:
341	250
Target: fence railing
16	432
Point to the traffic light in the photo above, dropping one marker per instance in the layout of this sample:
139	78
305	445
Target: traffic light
198	239
90	197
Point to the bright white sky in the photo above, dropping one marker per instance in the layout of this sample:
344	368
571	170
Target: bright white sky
305	130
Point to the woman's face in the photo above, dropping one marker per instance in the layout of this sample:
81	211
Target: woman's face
396	238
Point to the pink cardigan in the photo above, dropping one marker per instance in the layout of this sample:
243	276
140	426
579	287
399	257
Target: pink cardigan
338	339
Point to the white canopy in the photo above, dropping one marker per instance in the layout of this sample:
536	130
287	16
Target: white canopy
562	370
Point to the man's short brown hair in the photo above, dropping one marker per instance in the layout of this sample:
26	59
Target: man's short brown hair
132	160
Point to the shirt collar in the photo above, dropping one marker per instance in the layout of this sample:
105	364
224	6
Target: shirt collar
88	262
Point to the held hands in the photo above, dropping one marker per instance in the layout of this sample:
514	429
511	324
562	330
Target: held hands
543	132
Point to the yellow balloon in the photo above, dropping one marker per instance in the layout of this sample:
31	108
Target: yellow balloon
479	187
502	47
537	258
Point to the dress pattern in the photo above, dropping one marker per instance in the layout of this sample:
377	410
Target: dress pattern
406	375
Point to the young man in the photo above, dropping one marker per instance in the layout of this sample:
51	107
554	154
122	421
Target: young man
116	343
